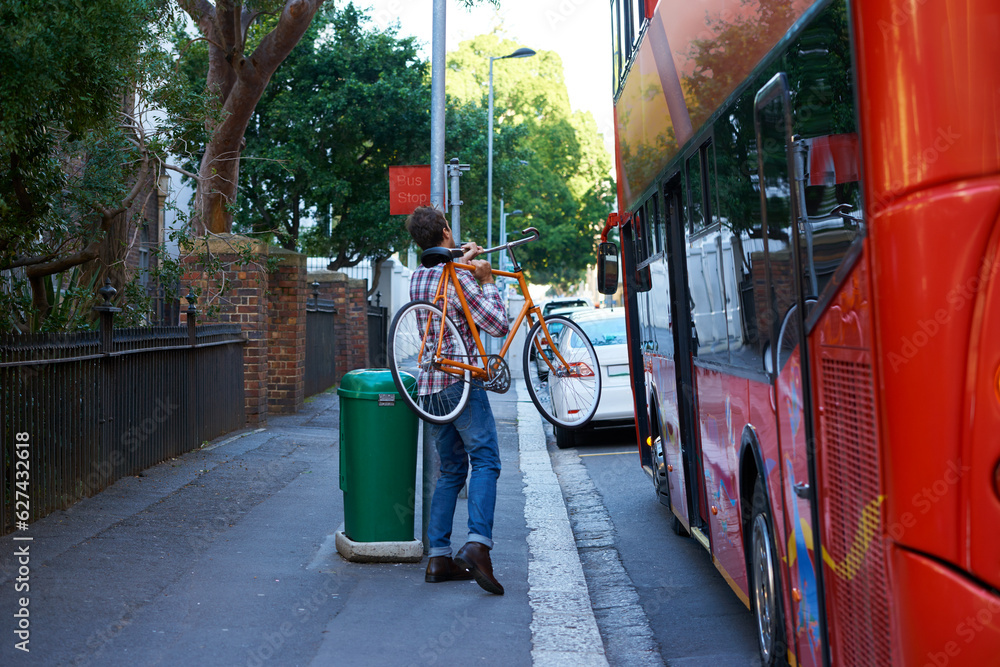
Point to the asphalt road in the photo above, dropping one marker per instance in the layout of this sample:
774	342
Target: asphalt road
692	614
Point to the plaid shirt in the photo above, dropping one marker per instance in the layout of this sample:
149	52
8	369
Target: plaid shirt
488	313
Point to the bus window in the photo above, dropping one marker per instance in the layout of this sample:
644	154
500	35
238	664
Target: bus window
704	263
826	160
696	219
655	240
638	270
639	223
777	187
617	49
738	201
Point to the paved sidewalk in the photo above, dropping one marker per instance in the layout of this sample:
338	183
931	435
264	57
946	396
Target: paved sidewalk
225	556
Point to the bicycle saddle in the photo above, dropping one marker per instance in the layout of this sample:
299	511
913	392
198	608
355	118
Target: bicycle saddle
438	255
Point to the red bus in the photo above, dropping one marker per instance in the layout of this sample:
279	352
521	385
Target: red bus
809	196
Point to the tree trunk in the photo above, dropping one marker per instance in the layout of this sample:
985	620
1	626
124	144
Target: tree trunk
239	81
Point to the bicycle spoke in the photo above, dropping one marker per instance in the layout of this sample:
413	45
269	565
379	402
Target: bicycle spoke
562	373
414	343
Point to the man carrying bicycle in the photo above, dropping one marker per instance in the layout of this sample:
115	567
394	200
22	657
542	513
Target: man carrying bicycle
472	437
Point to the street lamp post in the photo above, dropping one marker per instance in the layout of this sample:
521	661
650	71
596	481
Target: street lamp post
503	232
520	53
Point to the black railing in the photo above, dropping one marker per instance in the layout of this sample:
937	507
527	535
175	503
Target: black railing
378	335
80	411
321	344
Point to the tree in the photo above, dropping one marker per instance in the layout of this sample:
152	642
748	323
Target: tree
348	103
241	61
565	189
74	155
238	73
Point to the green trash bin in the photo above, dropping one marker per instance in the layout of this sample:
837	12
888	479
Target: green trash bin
378	457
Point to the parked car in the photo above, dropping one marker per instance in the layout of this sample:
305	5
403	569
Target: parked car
565	302
554	329
606	330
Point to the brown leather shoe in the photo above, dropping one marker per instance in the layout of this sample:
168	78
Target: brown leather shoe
443	568
475	557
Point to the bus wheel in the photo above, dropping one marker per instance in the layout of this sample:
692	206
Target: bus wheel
765	591
659	469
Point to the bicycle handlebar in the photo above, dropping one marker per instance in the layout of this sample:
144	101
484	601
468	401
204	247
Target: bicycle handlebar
534	234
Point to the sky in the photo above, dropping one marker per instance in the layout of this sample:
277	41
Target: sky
578	30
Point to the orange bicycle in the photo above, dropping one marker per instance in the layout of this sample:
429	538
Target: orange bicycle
560	366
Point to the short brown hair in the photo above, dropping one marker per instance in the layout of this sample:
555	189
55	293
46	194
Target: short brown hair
426	225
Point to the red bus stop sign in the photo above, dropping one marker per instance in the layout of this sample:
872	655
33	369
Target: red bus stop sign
409	187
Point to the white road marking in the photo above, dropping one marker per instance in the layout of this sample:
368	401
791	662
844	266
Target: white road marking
563	628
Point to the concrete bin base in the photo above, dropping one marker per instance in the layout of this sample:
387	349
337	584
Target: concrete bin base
379	552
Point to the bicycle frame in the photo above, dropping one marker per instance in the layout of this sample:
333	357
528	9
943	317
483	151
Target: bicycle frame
529	311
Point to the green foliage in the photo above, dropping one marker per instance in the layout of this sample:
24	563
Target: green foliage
347	103
77	81
64	66
565	189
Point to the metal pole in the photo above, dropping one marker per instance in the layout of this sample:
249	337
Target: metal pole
454	172
503	236
438	67
489	167
438	52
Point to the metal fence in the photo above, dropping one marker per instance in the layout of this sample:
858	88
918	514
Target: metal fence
363	271
80	411
378	336
321	346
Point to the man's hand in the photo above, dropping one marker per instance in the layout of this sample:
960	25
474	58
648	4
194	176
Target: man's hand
483	272
471	250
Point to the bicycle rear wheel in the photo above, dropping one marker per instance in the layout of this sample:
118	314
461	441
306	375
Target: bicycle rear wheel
565	390
413	343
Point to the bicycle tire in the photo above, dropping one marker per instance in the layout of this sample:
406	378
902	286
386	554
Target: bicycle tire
567	397
405	340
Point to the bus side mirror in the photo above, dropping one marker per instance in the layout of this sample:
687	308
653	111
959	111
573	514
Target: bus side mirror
607	268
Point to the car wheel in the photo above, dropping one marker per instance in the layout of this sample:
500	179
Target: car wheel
565	438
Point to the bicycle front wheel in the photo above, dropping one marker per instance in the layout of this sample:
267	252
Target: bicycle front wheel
563	375
413	343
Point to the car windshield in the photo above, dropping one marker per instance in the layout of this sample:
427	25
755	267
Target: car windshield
609	331
579	303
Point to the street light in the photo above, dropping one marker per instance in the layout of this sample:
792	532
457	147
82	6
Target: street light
520	53
503	231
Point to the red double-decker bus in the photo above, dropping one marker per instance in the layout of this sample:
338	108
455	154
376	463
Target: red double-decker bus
809	222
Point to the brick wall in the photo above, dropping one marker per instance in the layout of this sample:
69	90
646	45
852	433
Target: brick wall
271	310
243	303
350	298
286	343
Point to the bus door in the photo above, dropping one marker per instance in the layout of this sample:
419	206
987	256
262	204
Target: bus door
637	283
790	298
691	513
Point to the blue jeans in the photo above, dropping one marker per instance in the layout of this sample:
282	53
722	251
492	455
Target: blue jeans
472	438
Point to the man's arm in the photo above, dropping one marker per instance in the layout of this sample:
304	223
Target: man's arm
485	303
